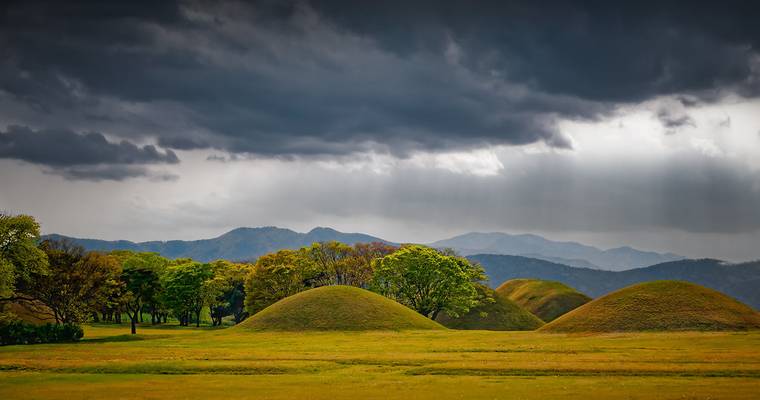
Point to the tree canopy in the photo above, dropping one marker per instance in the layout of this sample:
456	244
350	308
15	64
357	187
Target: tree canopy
428	281
20	258
75	281
276	276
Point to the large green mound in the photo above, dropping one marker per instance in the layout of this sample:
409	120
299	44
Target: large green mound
337	308
659	306
500	315
546	299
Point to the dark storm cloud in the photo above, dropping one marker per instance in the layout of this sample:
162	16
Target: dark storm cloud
80	155
111	173
673	120
608	51
181	143
332	78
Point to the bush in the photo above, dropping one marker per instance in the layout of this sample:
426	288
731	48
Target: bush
19	332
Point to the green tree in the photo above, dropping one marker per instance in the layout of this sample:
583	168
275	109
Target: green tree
276	276
20	258
141	273
73	285
341	264
427	281
225	291
114	300
333	261
184	289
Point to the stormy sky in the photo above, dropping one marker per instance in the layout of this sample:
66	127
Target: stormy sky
610	124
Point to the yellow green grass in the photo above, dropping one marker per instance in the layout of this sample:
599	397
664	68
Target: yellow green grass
428	364
344	308
500	315
545	299
659	306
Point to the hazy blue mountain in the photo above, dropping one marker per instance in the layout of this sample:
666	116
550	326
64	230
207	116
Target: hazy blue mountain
238	244
741	281
574	253
565	261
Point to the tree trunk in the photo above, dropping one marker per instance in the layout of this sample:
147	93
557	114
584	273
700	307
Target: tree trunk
198	318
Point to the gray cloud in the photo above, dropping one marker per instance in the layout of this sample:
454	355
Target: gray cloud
690	193
112	173
673	120
331	78
80	155
325	82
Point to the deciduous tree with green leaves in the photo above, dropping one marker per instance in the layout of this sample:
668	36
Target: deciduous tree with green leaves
74	284
184	289
276	276
427	281
20	258
141	273
225	291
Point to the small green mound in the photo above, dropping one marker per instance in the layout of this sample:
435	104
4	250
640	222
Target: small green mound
659	306
337	308
546	299
500	315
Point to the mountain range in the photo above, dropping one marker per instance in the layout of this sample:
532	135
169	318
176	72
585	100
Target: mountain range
241	244
740	281
568	253
245	244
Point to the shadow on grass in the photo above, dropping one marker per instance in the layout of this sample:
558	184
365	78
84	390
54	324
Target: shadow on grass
123	338
158	327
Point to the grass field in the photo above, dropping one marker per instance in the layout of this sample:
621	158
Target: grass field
169	363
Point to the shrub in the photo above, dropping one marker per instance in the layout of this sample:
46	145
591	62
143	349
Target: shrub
19	332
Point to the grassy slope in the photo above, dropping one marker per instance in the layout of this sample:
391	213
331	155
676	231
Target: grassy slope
33	313
659	306
338	308
546	299
501	315
434	364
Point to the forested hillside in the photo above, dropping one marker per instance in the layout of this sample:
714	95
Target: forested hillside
241	244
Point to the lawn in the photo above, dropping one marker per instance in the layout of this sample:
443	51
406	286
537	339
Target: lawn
167	363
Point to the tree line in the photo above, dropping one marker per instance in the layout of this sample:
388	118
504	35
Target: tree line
427	280
76	286
70	285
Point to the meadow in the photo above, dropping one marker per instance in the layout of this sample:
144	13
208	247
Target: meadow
173	363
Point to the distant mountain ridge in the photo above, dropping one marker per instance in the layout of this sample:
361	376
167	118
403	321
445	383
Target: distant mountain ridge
239	244
569	253
250	243
740	281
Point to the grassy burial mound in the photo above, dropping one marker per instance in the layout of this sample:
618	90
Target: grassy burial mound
34	313
659	306
337	308
500	315
546	299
